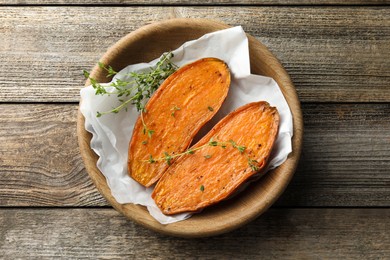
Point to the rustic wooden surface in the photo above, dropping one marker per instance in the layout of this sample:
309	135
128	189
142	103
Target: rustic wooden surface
337	206
187	2
278	234
333	54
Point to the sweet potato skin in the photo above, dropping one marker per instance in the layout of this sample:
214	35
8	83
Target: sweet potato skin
213	173
178	109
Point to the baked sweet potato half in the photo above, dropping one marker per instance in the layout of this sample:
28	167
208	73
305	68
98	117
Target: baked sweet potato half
183	103
234	150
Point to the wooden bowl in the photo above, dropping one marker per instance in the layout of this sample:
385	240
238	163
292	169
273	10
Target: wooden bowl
146	44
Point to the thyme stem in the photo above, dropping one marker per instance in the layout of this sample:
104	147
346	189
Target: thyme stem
168	157
138	90
145	128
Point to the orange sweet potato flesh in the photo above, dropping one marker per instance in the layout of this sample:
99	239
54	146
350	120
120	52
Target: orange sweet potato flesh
183	103
213	173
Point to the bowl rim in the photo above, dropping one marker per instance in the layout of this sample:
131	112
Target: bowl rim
220	219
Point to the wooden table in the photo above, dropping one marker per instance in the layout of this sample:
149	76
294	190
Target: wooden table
338	56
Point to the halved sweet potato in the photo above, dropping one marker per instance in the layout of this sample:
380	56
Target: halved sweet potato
234	150
180	107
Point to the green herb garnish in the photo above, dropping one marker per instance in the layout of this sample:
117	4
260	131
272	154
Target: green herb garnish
110	71
174	109
240	148
253	164
139	89
168	157
201	188
145	129
151	160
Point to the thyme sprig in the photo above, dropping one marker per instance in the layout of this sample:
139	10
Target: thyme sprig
168	157
145	129
253	164
240	148
139	89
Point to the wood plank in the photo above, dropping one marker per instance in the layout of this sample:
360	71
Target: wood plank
333	54
187	2
345	157
277	234
40	162
345	160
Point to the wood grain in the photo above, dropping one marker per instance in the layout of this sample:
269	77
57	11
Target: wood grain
278	234
344	160
187	2
333	54
40	162
345	145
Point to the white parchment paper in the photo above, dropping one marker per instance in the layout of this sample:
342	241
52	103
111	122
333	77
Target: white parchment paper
112	132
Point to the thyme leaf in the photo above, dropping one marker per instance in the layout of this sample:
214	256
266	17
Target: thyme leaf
139	89
240	148
253	164
110	71
174	109
145	128
168	157
151	160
